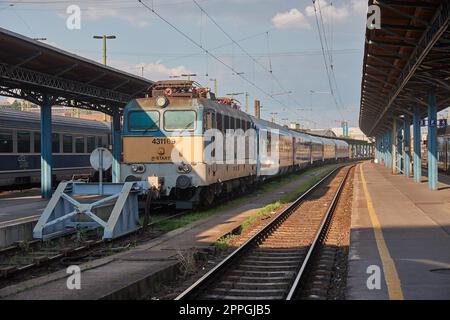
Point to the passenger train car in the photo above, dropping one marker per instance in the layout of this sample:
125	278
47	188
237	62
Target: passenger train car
167	141
444	149
20	147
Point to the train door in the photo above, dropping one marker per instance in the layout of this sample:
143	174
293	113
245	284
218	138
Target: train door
209	123
447	158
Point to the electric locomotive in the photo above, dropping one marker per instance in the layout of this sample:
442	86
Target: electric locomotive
163	142
167	141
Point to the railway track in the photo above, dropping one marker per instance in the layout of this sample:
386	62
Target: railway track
272	264
25	257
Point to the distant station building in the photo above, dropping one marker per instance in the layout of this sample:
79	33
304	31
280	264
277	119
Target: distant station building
322	132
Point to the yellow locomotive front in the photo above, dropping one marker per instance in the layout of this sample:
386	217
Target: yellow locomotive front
163	142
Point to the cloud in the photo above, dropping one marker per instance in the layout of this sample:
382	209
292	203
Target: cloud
155	70
290	19
359	6
93	13
152	70
296	18
329	11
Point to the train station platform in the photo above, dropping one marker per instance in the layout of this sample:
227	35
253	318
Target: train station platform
129	274
401	229
23	204
19	213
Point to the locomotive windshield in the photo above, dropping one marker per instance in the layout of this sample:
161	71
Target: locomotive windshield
143	120
179	120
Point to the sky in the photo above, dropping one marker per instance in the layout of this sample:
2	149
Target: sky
273	44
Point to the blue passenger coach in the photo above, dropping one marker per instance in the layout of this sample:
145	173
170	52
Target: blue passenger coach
73	140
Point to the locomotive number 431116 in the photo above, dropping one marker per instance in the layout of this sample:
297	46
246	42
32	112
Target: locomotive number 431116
163	141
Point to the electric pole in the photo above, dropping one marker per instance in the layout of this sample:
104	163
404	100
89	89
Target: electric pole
103	38
274	115
215	86
246	102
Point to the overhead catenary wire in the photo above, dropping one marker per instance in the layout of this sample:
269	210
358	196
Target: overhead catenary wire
330	50
215	48
324	35
323	44
270	70
329	46
268	52
185	35
228	36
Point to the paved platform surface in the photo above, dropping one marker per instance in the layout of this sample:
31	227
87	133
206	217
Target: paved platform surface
105	277
404	229
18	205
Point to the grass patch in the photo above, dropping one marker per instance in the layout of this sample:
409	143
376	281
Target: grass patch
224	243
172	224
262	212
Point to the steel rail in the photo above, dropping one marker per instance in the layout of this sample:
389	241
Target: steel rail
321	232
201	285
8	272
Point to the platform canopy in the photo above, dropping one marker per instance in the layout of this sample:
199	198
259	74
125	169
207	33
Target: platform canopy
29	69
405	61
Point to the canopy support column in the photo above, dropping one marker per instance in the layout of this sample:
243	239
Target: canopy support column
406	146
417	167
116	146
46	148
394	146
432	143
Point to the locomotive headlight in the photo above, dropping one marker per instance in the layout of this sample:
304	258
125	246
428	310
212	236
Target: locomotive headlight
162	102
138	168
184	168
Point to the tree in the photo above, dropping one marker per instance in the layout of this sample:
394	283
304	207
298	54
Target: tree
16	105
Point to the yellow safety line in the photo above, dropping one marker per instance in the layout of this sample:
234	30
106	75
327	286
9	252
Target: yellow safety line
390	272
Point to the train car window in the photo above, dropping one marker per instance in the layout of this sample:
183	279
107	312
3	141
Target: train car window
6	142
219	122
227	123
179	120
232	123
55	143
143	120
79	144
23	141
243	125
90	141
238	124
208	120
37	142
102	142
67	143
248	125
